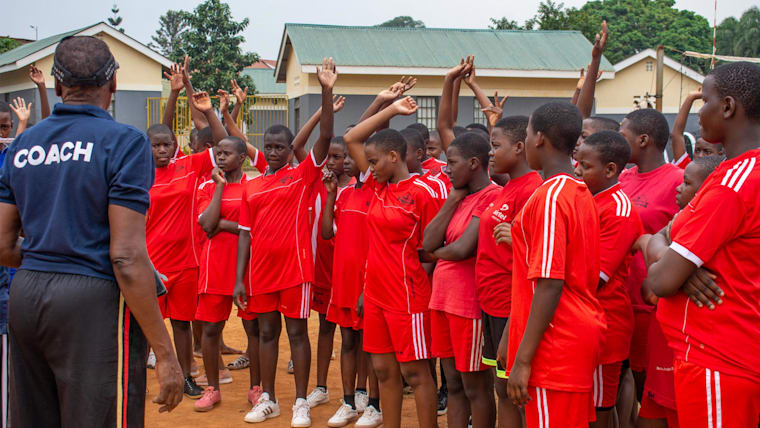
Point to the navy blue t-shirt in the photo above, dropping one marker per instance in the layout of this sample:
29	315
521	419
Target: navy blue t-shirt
62	174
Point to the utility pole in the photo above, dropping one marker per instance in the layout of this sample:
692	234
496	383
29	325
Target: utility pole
36	28
660	64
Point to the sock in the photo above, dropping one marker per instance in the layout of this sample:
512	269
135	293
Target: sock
349	399
299	401
362	390
375	402
323	388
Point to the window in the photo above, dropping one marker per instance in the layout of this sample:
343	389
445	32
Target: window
650	66
297	114
477	113
427	111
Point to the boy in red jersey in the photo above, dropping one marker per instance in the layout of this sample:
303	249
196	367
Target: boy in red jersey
710	263
275	266
397	290
556	323
601	158
452	237
494	260
415	152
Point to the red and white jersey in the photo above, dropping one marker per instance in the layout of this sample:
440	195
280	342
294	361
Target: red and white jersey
259	161
720	231
683	161
397	217
219	255
620	227
556	236
171	219
277	209
435	166
439	182
493	266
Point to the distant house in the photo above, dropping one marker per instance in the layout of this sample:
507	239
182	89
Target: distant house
532	67
139	75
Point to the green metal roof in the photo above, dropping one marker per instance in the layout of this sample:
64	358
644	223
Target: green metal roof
264	80
24	51
442	47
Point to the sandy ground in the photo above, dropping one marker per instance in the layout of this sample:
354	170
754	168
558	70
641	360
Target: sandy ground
234	405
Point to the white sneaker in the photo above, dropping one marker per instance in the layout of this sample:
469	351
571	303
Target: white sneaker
361	399
151	360
264	409
370	419
317	397
301	414
343	416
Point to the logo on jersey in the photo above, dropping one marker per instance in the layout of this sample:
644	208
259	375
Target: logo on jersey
501	213
68	151
406	199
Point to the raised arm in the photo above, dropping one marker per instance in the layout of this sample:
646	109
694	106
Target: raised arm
209	218
328	214
202	102
586	97
327	76
36	75
23	112
299	142
198	118
240	95
679	126
578	87
177	83
455	99
494	111
445	125
475	88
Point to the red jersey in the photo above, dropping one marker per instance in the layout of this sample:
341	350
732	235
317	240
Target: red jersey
199	236
277	210
219	256
654	194
351	244
455	287
397	216
683	161
720	231
170	225
434	166
494	262
439	182
556	236
620	227
322	248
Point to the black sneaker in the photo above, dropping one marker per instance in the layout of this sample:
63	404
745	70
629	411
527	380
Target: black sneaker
191	389
443	401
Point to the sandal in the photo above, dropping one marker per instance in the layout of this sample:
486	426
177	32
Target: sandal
240	363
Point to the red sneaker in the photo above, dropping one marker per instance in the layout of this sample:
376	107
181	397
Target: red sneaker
210	398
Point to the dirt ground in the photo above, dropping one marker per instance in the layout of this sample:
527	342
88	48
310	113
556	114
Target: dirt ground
234	405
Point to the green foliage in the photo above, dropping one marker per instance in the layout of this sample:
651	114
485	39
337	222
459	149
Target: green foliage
168	37
115	20
740	37
403	21
504	24
7	44
550	16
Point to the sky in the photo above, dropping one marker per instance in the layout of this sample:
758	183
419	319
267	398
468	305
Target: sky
267	17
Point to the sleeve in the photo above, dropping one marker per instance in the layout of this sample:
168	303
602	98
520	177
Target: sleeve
484	203
204	195
310	170
683	161
6	192
259	162
617	236
244	219
699	231
546	225
130	174
204	161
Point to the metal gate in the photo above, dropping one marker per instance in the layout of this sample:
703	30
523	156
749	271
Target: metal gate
258	113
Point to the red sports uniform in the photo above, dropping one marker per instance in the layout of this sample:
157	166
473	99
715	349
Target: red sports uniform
439	181
556	236
654	194
277	211
397	290
717	352
456	317
434	166
620	227
323	250
683	161
169	231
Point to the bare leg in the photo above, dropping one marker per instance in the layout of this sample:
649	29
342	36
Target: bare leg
197	336
254	366
349	352
300	351
388	374
324	349
458	412
183	342
509	414
478	389
417	374
270	326
626	399
211	355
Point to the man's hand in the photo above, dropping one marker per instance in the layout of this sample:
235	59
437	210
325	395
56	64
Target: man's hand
35	74
170	382
406	83
405	106
456	195
469	79
176	77
240	94
22	110
224	100
201	101
461	69
186	73
517	384
600	42
338	103
702	290
494	111
218	176
327	74
389	95
502	233
239	297
502	348
331	181
360	305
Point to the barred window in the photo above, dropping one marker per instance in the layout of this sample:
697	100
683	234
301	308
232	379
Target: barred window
427	111
649	66
477	113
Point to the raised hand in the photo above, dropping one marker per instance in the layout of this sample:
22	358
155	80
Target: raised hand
331	181
176	77
388	95
35	74
406	83
494	111
240	94
21	108
600	42
338	103
469	79
461	69
186	73
201	101
581	79
224	99
327	74
218	176
405	106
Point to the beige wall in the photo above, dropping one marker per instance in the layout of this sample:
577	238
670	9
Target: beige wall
296	82
616	96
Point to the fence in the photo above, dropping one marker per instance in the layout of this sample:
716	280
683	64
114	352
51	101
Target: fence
257	114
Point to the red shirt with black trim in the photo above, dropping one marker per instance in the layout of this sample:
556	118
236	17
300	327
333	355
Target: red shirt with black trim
620	227
556	236
277	210
171	219
493	266
720	231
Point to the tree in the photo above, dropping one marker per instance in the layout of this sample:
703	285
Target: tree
6	44
213	43
550	16
504	24
403	21
740	37
115	20
168	38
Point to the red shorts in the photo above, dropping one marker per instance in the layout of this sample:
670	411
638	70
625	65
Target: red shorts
179	302
213	307
293	302
458	337
650	409
406	335
549	408
320	299
606	381
639	351
707	398
245	314
345	317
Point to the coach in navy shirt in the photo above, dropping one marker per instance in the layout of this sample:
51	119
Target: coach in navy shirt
83	299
